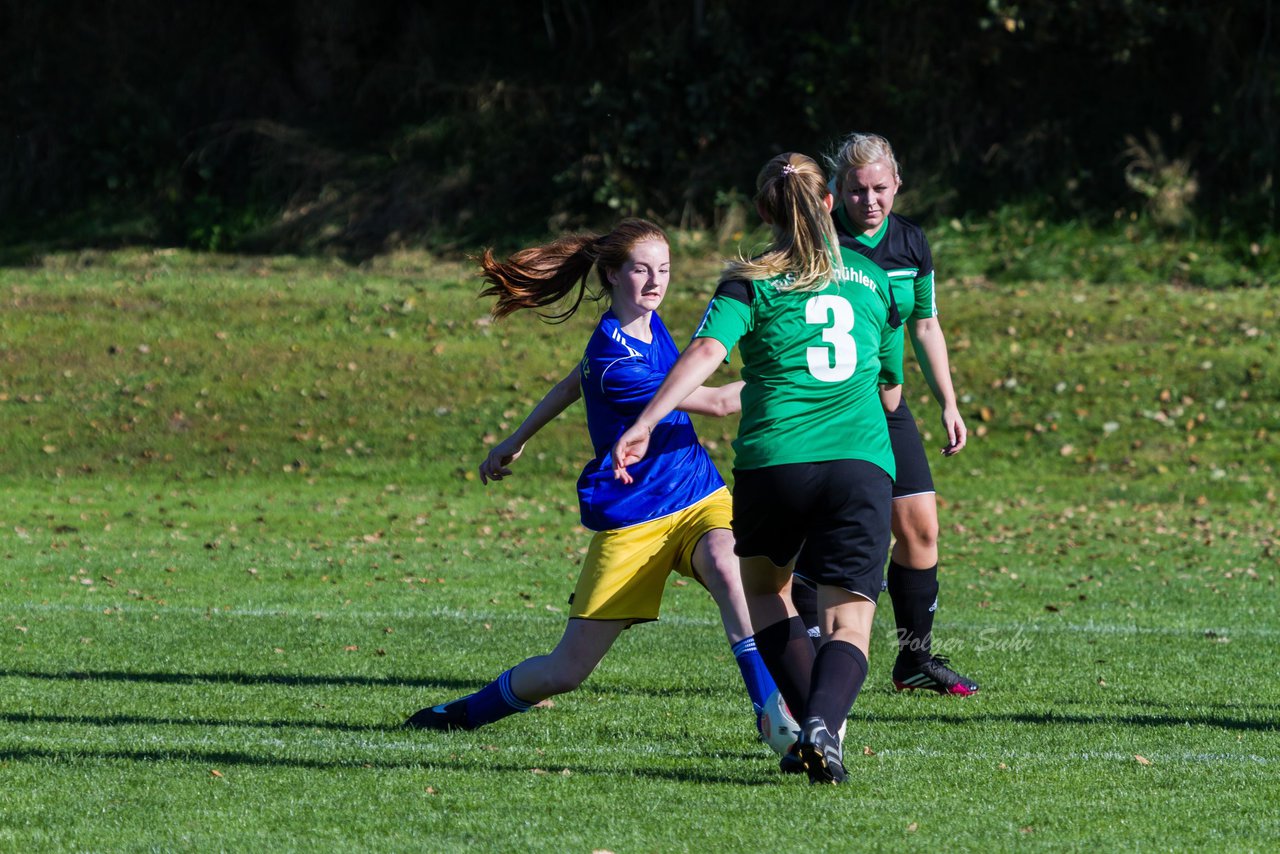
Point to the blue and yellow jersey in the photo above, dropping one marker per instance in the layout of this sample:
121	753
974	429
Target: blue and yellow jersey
619	375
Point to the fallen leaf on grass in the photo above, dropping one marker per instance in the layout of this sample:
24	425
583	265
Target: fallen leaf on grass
564	772
431	790
215	772
913	827
1142	760
867	751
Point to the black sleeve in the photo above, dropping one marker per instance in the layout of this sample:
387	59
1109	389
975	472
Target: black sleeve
738	289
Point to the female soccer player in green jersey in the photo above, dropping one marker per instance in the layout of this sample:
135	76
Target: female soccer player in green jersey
814	466
867	179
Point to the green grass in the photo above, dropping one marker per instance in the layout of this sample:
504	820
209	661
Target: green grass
241	538
1015	243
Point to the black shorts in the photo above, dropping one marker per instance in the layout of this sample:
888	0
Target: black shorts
833	515
909	457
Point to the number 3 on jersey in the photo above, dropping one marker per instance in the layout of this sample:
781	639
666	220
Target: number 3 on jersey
837	361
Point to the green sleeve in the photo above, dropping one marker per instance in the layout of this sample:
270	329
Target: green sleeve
726	320
924	303
891	347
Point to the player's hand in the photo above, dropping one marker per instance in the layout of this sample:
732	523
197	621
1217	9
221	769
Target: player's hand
503	454
957	434
629	449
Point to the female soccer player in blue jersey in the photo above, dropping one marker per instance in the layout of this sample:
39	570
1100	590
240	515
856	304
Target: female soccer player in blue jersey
867	179
677	515
814	466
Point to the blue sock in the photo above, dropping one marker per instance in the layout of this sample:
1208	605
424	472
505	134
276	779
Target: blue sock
754	674
494	702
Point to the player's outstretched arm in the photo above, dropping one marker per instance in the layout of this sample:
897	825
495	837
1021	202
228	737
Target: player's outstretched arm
496	465
698	362
930	346
717	401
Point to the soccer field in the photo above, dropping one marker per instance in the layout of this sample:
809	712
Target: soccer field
241	539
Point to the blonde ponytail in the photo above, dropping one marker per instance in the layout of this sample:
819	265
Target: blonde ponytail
791	194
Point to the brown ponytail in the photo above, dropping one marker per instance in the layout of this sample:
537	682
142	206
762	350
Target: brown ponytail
540	276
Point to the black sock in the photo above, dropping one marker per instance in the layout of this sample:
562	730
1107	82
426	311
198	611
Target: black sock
805	598
788	653
838	674
915	597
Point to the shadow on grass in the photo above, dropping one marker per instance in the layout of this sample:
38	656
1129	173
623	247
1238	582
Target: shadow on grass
450	687
764	775
143	720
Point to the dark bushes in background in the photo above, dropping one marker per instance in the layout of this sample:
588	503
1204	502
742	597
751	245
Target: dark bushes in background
356	126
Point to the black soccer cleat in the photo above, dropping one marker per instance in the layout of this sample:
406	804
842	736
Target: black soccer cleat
820	752
791	763
932	675
447	716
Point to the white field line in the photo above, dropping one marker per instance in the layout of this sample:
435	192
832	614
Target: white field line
15	611
1084	756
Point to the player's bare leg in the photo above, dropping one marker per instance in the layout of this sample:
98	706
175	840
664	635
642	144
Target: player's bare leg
912	581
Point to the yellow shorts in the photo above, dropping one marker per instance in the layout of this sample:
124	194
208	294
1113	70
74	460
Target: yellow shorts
626	569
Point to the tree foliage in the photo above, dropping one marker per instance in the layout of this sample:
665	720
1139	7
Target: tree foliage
359	125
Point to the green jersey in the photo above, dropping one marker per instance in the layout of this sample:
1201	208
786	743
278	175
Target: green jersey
900	248
812	362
